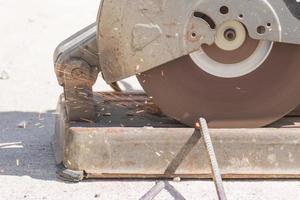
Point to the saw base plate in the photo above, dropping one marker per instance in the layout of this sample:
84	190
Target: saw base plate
132	139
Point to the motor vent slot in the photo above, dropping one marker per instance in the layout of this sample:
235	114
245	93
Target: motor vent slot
206	18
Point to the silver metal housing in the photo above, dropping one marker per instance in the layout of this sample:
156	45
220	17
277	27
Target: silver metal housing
136	35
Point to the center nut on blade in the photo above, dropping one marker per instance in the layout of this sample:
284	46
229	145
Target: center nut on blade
230	35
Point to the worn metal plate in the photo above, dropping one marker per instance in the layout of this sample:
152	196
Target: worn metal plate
133	140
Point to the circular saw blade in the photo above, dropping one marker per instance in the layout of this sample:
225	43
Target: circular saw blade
185	92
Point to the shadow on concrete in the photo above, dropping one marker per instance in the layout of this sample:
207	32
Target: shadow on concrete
157	189
27	151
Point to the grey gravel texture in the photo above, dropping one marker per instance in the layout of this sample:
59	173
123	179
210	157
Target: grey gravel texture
30	31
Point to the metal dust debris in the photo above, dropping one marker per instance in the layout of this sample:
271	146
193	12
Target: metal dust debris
130	113
177	179
137	68
4	75
23	124
107	114
87	120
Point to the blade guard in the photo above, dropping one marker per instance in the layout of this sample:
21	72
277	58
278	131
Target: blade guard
135	36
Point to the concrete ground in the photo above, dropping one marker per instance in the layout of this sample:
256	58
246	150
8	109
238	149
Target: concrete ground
30	31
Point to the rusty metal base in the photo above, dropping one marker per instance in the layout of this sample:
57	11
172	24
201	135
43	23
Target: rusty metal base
132	139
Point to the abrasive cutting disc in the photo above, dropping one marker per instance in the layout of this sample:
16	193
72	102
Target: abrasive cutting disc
186	92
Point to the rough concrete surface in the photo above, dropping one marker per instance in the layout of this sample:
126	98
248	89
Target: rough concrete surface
30	31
